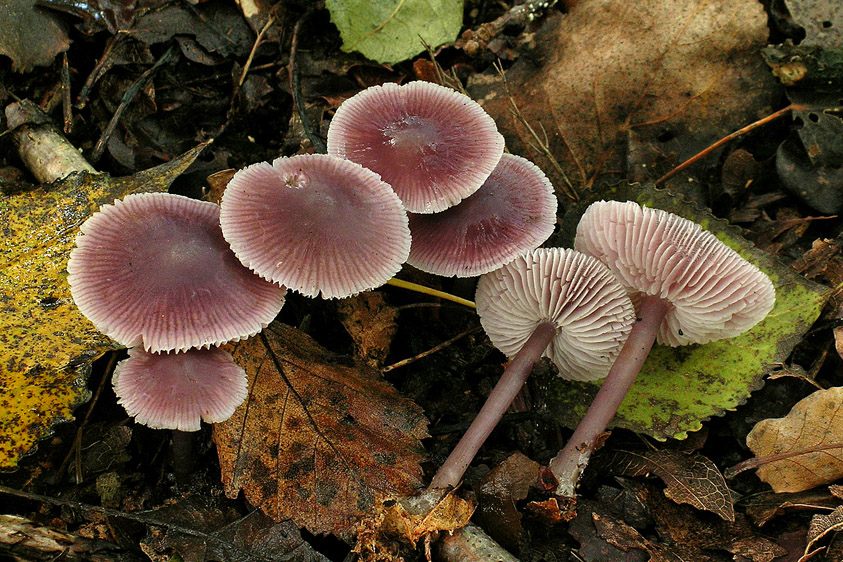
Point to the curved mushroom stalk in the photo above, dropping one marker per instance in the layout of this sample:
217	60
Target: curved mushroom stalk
510	383
693	289
553	302
567	466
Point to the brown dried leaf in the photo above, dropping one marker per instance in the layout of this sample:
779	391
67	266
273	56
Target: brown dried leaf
634	85
815	421
319	437
371	324
822	524
498	493
691	479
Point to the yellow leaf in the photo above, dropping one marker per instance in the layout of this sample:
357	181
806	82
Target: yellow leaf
46	345
814	423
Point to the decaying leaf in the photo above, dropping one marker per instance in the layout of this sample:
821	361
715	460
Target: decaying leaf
204	528
31	35
499	490
371	324
821	525
409	520
46	345
680	387
633	87
814	421
319	437
392	31
691	479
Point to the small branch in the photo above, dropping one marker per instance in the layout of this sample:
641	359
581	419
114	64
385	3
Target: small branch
727	138
432	350
295	88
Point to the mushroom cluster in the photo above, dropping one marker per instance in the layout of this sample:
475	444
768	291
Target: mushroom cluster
153	272
172	277
576	306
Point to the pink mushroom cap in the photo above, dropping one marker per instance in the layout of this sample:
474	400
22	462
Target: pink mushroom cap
433	145
177	390
154	270
591	311
513	213
712	291
316	224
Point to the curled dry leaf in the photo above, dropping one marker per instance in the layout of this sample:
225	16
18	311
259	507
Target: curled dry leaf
691	479
814	421
320	437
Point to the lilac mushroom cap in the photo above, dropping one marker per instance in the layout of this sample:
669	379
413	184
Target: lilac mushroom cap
177	390
153	270
316	224
433	145
576	293
512	213
712	292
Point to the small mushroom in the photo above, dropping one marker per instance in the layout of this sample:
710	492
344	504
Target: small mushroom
316	224
154	270
178	390
433	145
512	213
688	288
553	302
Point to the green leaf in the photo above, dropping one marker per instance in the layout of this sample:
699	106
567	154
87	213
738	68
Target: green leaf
390	31
679	388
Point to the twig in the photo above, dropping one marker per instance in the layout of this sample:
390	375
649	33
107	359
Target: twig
540	145
128	96
76	447
295	88
729	137
755	462
67	108
430	351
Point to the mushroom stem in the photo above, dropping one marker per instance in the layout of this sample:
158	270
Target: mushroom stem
513	378
567	466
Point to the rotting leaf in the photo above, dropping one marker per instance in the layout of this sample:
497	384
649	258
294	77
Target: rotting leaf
390	32
499	490
821	525
693	77
371	324
814	421
46	345
31	36
203	528
319	437
678	388
691	479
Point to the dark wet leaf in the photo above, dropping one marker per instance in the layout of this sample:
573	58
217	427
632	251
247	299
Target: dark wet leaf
498	494
30	36
205	528
320	436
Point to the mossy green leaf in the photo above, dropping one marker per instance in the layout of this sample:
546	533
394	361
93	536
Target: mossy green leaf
390	31
679	388
46	345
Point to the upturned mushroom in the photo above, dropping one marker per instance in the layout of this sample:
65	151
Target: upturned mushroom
512	213
433	145
688	287
316	224
550	302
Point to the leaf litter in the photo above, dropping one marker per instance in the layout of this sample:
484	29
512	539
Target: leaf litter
320	437
635	125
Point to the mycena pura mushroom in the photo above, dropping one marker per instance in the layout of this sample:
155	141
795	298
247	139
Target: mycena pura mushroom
688	287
